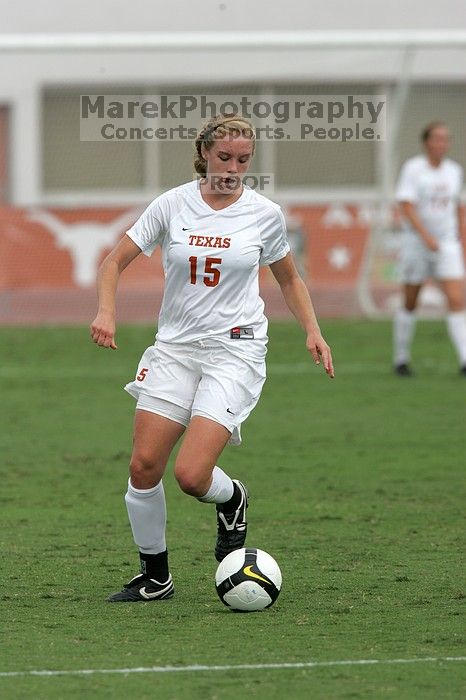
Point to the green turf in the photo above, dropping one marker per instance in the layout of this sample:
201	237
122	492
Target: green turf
357	490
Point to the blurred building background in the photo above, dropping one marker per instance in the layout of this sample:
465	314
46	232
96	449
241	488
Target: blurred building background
64	201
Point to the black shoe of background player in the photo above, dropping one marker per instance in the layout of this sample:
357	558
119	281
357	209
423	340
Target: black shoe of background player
403	370
143	589
231	525
463	371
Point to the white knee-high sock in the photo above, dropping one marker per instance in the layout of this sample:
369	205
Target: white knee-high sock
221	488
456	323
404	325
148	516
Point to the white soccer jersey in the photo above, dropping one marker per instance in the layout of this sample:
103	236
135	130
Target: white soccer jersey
435	192
211	262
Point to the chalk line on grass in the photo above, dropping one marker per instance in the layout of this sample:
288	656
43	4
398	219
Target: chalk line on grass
235	667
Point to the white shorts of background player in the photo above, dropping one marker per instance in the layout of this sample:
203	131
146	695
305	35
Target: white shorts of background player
417	262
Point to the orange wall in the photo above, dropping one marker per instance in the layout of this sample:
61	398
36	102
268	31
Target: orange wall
31	256
44	278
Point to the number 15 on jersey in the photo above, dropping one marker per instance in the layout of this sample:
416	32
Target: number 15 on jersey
211	270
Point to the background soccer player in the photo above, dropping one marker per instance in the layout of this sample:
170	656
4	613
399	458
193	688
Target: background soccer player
205	372
428	191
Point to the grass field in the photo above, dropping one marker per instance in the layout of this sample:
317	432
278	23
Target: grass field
356	488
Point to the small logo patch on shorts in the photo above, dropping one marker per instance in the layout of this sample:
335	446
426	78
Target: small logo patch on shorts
242	333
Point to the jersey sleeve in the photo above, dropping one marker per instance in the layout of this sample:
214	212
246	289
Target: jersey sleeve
273	236
406	188
150	228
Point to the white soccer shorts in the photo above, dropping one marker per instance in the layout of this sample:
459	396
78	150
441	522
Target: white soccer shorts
203	379
417	263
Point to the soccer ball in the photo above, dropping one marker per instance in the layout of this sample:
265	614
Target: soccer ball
248	580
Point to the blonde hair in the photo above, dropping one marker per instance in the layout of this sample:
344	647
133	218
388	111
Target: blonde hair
217	128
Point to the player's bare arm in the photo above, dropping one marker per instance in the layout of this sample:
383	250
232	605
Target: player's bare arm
299	302
461	220
408	210
102	328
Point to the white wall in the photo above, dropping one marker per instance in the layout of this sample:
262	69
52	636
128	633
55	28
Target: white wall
24	75
150	15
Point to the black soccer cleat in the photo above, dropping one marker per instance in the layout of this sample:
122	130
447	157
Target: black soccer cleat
231	527
143	589
403	370
463	371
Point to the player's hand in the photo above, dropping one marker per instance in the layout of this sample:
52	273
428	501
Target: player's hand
431	243
102	330
320	351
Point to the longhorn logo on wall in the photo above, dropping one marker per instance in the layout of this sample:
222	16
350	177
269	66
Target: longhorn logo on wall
84	240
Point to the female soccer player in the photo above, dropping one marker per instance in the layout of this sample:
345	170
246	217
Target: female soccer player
205	371
428	191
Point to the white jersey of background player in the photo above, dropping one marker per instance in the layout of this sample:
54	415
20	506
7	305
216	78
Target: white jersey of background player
205	372
428	191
